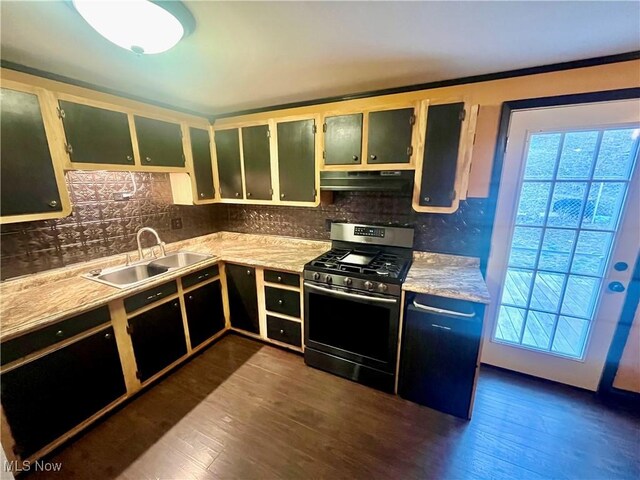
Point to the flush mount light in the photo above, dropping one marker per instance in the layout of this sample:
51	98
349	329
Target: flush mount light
141	26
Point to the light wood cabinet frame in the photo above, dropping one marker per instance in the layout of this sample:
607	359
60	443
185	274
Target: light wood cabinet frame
465	150
55	140
376	105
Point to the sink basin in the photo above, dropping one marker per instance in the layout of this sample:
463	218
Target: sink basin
132	275
179	260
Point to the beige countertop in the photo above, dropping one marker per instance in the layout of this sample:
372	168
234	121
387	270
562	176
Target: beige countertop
448	276
34	301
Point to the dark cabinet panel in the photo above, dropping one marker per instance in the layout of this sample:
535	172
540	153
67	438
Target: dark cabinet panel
200	276
149	296
228	159
159	143
204	312
282	301
202	167
284	330
158	338
440	353
28	182
243	297
47	397
96	135
31	342
284	278
389	137
297	161
343	139
442	140
257	162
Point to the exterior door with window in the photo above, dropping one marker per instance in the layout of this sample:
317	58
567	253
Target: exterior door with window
565	239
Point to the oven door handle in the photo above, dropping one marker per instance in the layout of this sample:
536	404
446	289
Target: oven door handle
340	293
442	311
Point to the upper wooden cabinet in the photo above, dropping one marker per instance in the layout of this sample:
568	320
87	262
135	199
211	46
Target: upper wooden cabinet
297	160
343	139
159	142
256	153
389	136
32	181
202	164
442	171
381	136
229	163
96	135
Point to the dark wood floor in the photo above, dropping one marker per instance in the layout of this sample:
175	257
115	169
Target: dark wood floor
245	410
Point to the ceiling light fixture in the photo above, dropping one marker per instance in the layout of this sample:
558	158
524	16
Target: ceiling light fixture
141	26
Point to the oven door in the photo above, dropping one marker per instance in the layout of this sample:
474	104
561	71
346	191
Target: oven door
359	327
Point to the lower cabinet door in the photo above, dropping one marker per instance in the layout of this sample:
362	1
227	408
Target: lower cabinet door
205	316
243	297
158	338
45	398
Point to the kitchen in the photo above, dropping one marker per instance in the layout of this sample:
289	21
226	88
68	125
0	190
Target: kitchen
183	286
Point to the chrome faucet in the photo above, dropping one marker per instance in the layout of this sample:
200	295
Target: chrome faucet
159	243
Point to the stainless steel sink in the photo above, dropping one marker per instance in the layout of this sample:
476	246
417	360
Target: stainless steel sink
179	260
132	275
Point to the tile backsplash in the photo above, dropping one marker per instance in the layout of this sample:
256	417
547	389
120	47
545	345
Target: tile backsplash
99	225
464	232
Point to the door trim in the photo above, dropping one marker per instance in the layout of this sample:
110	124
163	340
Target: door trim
508	108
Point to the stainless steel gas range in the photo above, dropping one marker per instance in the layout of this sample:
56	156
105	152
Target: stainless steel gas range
352	302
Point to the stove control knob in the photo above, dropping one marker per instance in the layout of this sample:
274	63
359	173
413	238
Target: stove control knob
348	281
383	287
329	279
368	285
316	276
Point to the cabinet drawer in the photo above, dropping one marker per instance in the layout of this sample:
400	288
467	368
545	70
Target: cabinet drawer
149	296
272	276
32	342
199	276
282	301
284	331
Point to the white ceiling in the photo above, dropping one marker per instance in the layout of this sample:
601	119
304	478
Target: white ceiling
255	54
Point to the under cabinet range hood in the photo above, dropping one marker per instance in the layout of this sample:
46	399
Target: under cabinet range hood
376	181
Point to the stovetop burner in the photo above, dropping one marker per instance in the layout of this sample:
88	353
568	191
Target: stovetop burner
374	263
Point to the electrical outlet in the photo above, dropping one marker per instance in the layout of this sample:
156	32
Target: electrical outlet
120	196
176	223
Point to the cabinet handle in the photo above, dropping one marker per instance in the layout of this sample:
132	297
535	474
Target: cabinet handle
442	327
248	194
373	157
147	159
53	204
442	311
129	158
282	195
248	272
279	278
427	199
176	305
281	331
201	194
155	295
190	297
355	158
280	302
107	336
204	275
59	333
237	194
